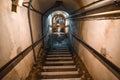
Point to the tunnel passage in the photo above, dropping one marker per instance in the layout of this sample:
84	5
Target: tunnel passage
58	28
92	36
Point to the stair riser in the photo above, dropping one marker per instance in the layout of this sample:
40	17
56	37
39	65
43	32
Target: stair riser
58	62
58	76
55	55
58	69
66	79
59	52
59	58
68	64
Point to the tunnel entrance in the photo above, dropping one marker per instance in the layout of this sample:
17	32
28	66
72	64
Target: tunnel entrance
58	29
57	22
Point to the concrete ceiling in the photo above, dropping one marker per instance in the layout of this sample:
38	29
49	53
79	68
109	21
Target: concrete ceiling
68	4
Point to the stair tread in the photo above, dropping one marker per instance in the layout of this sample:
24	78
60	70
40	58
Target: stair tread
60	49
58	58
58	62
64	79
59	73
57	55
59	69
60	76
67	64
56	67
59	52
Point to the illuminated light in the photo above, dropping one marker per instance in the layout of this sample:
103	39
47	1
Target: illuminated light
59	29
58	12
66	30
20	2
55	26
50	30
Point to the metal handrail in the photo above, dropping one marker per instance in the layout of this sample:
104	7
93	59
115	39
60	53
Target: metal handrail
83	7
111	14
110	3
112	67
4	70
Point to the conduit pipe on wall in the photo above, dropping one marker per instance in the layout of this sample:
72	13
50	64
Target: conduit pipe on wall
31	33
106	3
110	14
31	8
88	5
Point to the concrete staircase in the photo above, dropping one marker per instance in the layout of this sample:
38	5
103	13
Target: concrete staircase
57	64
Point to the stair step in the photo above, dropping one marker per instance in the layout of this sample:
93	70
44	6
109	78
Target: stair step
57	55
65	47
59	52
58	58
60	49
60	76
64	79
58	62
60	73
60	67
63	64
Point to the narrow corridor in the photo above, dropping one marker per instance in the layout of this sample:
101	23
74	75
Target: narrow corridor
59	40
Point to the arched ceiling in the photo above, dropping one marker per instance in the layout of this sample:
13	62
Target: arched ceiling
67	4
70	5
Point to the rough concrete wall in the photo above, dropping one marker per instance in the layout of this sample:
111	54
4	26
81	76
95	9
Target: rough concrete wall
104	36
15	37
